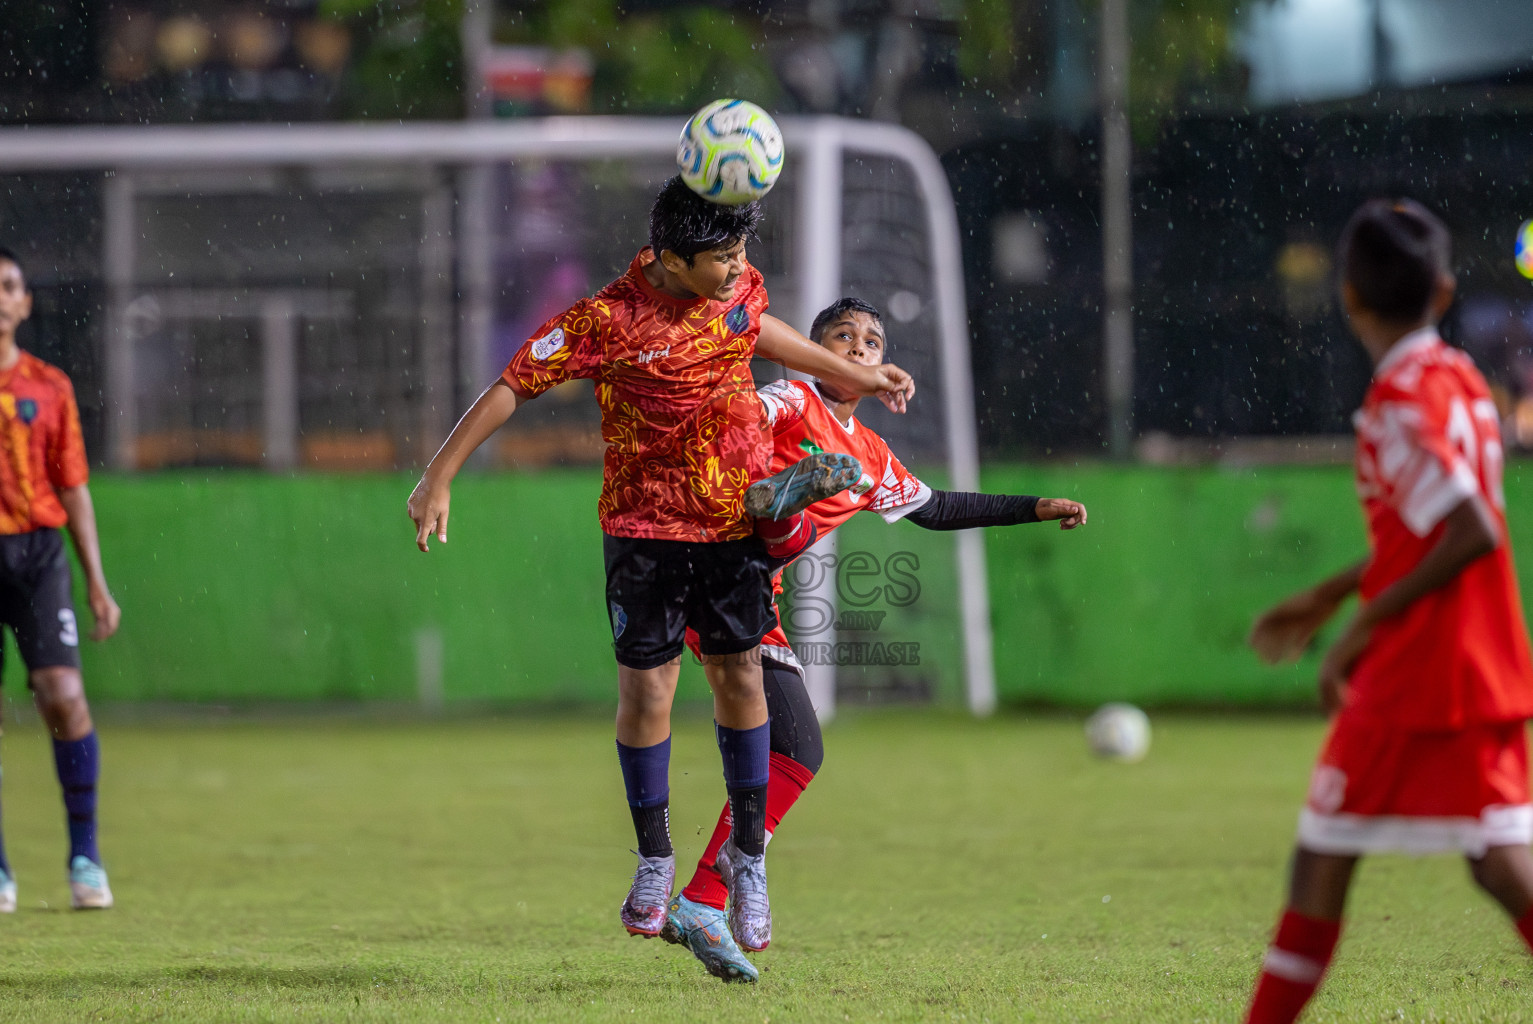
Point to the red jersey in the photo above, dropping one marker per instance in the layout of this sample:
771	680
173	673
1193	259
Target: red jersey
1428	437
41	449
684	429
803	423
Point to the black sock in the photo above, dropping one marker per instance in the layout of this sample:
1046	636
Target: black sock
747	806
653	827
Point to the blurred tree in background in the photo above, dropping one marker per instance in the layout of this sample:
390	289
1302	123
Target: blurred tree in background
652	57
672	57
409	59
1184	52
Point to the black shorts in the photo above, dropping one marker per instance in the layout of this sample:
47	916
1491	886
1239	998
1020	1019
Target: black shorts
35	600
657	588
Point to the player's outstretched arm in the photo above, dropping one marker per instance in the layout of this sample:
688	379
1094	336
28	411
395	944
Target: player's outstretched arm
82	531
1282	632
429	501
1469	533
961	510
782	344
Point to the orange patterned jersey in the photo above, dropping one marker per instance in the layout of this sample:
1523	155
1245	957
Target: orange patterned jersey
684	429
1429	437
41	450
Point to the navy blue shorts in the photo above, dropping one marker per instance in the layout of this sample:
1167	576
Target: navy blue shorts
35	600
657	588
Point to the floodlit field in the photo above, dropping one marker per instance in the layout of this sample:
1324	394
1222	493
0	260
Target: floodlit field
940	869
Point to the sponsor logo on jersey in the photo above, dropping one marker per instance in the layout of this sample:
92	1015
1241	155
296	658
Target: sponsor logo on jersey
547	345
738	319
26	410
649	357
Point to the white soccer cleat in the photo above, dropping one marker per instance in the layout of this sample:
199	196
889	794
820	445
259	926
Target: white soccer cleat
750	913
87	885
7	893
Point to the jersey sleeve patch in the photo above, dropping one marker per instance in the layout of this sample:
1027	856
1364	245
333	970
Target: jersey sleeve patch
547	345
562	350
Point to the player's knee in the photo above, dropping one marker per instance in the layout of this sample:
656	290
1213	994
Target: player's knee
1490	874
809	751
734	690
60	695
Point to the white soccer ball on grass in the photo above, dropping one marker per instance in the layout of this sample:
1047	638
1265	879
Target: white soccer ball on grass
730	152
1119	732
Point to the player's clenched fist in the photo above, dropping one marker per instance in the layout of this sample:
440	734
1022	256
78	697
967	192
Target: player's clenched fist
428	508
1069	513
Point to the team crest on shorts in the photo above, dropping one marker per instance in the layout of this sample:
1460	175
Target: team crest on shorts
738	319
26	410
547	345
619	619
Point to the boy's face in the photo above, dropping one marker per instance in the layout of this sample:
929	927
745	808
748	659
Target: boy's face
855	337
713	272
15	300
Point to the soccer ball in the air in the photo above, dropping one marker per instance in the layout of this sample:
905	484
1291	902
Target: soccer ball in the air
730	152
1120	732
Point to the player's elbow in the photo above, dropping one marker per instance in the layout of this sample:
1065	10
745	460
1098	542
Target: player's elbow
1476	529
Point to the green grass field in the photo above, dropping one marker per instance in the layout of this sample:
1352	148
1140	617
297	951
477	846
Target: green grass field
940	869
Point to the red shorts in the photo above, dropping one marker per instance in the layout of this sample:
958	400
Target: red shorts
1378	788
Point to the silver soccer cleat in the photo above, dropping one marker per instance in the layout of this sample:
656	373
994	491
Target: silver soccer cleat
643	911
750	913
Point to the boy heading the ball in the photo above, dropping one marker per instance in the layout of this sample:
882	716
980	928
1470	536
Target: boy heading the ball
669	345
43	486
1431	683
820	417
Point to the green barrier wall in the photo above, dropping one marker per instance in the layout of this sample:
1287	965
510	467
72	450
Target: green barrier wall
243	587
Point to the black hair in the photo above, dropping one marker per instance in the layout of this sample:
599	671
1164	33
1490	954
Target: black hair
7	254
1392	253
848	304
685	223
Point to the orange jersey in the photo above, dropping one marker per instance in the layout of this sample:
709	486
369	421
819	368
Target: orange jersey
685	432
1428	437
41	450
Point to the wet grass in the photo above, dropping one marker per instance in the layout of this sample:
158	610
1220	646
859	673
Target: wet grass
939	869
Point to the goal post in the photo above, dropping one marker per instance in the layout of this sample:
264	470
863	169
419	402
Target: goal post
849	180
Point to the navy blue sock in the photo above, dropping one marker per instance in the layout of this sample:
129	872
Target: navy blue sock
747	757
647	778
79	766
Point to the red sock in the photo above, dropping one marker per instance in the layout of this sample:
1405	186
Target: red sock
787	782
786	539
1525	928
1293	967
